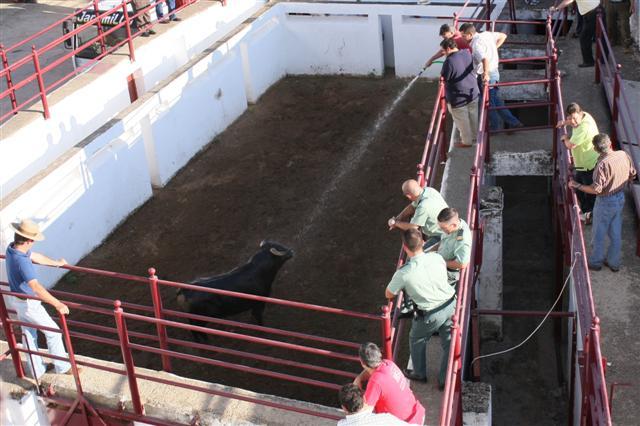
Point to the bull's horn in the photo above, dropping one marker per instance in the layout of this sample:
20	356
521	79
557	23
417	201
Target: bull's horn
262	242
274	251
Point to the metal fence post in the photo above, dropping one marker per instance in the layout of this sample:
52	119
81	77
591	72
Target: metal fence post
386	332
70	353
12	93
598	43
96	9
420	174
615	109
488	6
127	25
443	132
43	93
157	312
485	106
11	338
127	358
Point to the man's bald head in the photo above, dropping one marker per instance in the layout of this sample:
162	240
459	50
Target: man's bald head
411	189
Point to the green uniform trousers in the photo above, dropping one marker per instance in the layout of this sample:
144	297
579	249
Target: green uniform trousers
422	328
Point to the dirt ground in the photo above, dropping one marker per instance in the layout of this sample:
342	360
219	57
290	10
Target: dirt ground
299	168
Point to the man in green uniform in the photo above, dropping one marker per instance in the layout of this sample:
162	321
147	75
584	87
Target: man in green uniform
424	279
584	128
423	211
455	244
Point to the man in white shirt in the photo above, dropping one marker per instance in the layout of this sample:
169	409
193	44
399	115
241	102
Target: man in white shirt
360	414
589	10
486	61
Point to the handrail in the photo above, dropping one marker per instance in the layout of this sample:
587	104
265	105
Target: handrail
595	402
434	147
37	76
624	133
160	341
595	405
120	318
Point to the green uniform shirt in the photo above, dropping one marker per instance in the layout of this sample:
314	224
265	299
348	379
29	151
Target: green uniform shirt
584	156
424	279
428	206
456	245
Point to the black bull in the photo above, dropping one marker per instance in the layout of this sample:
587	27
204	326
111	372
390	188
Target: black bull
254	277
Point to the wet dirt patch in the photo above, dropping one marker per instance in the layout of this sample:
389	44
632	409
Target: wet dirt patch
263	178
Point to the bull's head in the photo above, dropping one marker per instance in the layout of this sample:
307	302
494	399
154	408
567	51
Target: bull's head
276	249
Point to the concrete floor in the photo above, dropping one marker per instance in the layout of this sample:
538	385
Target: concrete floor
616	295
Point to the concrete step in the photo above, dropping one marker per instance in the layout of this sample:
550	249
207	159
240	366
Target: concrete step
510	51
531	163
524	38
526	92
522	141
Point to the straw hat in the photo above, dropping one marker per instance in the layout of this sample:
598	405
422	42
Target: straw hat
28	229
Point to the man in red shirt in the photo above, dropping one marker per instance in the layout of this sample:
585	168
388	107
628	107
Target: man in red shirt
387	389
446	32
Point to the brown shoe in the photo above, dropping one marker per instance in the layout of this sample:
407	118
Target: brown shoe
461	145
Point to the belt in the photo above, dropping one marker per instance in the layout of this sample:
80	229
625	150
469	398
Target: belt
583	170
422	313
453	270
612	193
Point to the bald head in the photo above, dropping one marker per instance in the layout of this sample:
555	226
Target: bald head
411	189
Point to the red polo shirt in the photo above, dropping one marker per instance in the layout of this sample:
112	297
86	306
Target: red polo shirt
388	391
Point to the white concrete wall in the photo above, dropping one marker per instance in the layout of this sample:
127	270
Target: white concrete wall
72	119
85	104
264	56
189	112
335	44
27	411
104	178
85	198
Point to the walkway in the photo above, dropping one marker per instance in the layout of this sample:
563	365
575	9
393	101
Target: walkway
617	295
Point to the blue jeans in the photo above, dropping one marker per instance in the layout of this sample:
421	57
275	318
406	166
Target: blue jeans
32	311
422	328
496	116
607	220
171	5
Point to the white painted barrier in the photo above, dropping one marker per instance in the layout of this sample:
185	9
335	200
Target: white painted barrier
190	111
88	101
79	203
97	184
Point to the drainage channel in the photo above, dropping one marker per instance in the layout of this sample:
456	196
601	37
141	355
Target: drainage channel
526	385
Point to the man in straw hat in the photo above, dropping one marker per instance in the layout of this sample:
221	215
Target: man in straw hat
22	279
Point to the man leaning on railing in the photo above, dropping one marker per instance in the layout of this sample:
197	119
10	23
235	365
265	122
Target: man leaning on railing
613	171
22	279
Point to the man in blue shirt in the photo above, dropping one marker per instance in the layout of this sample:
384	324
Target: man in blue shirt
22	279
461	91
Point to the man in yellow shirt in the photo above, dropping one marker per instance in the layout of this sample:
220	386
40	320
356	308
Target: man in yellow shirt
584	128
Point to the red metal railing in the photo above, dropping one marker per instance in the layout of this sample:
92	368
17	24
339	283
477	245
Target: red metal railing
595	408
167	347
595	405
624	131
22	94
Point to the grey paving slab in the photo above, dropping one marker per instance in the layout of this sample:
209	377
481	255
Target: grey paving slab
616	295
